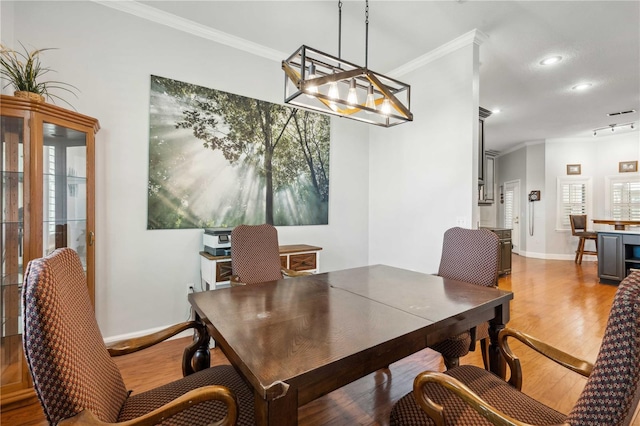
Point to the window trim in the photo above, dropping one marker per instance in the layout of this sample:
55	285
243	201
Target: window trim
561	180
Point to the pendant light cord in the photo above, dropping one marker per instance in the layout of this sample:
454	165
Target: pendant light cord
366	35
339	29
366	32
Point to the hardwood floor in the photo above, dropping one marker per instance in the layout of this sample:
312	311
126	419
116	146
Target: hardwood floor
557	301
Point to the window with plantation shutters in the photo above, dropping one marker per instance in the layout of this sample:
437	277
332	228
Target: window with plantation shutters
623	197
573	198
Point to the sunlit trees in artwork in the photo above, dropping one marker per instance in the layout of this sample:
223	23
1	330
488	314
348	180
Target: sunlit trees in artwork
288	147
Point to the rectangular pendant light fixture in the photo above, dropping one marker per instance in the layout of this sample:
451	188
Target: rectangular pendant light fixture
321	82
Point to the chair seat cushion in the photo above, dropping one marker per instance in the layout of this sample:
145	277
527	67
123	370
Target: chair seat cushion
488	386
226	375
454	347
482	331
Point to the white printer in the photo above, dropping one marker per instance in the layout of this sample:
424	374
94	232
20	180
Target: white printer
217	241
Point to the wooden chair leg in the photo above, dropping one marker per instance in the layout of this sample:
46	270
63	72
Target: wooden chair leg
575	259
581	250
484	347
450	362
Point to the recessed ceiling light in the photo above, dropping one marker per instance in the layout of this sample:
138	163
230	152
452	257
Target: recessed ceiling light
551	60
581	86
496	111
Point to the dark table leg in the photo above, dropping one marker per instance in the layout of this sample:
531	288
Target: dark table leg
497	363
281	411
202	357
196	356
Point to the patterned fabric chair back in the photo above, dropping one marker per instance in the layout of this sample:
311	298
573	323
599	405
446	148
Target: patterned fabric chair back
255	254
470	255
578	222
65	352
611	393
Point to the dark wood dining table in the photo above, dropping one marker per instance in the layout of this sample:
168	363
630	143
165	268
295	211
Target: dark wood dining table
297	339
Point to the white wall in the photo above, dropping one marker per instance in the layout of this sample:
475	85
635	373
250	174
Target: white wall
513	166
423	175
109	55
598	157
539	164
534	221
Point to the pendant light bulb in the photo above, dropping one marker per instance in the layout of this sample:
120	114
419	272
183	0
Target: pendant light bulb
371	100
333	90
386	107
352	97
312	89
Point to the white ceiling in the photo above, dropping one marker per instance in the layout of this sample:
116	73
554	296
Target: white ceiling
598	40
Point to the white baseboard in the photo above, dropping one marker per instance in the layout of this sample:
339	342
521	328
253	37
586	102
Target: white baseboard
558	256
113	339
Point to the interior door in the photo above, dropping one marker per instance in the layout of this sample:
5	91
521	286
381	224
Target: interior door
512	212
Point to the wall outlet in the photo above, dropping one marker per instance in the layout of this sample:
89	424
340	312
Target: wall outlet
190	288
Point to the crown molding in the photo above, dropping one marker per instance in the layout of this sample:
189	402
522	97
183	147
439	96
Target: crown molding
472	37
522	145
152	14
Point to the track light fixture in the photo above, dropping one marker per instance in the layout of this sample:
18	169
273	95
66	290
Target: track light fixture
318	81
614	128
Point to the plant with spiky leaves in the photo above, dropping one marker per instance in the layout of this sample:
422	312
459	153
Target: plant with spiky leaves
23	71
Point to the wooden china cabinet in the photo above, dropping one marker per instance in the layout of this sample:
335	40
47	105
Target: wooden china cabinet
47	162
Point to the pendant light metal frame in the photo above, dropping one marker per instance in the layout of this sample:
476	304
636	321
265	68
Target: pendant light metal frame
306	91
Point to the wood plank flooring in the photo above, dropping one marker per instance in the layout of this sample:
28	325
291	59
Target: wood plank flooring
557	301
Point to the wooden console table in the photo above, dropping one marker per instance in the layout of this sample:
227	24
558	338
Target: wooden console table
619	225
215	271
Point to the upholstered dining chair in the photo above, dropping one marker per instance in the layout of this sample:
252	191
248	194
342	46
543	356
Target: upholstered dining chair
470	255
75	378
469	395
579	229
255	255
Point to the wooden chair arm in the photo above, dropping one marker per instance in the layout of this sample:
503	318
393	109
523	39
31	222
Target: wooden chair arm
436	411
292	273
124	347
234	281
577	365
206	393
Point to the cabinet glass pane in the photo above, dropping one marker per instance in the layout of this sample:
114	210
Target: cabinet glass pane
64	189
12	245
489	179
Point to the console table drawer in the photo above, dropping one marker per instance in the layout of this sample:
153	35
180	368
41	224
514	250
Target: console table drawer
302	262
223	271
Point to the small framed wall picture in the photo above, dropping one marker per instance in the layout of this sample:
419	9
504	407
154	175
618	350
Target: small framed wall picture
627	166
574	169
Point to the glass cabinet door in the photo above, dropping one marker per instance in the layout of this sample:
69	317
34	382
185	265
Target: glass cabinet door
12	246
47	193
64	190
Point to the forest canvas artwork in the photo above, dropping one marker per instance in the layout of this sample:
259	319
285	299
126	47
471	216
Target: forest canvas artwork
217	159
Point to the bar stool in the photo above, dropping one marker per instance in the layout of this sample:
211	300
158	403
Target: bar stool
579	229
